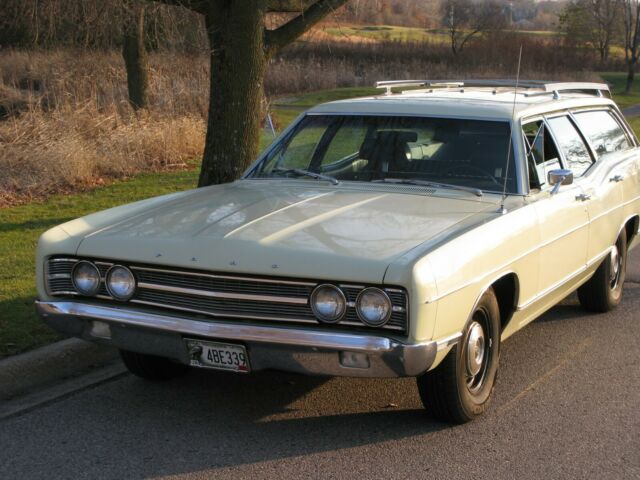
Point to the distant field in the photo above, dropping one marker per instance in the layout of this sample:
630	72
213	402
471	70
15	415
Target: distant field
388	32
410	34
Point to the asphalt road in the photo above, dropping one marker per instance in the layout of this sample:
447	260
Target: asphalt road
567	405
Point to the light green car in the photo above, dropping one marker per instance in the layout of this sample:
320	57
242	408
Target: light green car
406	234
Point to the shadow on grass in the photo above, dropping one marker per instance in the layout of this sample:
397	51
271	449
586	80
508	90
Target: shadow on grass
41	224
21	328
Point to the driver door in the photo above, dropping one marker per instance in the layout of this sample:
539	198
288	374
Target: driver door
562	217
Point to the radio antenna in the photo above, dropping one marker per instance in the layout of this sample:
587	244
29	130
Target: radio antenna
503	210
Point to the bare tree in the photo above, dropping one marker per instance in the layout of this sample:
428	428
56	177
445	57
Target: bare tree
134	53
464	19
631	38
606	14
593	22
240	46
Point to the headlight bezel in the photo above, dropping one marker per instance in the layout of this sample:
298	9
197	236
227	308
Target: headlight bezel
107	282
340	295
86	293
383	321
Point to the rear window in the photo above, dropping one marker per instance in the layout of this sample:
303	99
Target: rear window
603	131
572	145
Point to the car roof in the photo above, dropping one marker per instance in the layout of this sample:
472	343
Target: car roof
483	103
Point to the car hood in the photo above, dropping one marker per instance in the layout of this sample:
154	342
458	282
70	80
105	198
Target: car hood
284	228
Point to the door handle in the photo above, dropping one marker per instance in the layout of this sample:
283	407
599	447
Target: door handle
583	197
616	178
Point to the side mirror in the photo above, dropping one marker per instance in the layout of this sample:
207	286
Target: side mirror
560	177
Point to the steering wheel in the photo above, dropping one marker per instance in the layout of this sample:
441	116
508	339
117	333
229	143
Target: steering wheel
473	169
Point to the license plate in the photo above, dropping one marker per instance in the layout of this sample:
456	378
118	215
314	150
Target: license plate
221	356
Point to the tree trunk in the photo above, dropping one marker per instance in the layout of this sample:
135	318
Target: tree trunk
135	57
604	54
631	72
238	62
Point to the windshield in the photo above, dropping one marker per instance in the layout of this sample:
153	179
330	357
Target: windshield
466	153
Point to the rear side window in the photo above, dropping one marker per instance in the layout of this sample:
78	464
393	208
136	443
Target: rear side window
603	131
572	145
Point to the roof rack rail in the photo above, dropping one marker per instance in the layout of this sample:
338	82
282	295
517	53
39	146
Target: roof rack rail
389	84
544	87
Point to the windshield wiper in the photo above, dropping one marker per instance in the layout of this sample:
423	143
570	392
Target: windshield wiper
425	183
307	173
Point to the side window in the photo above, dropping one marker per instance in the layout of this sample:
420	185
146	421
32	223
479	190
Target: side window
300	149
345	143
572	145
603	130
542	153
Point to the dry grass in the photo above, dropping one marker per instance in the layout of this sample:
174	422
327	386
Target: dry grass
60	151
65	124
68	126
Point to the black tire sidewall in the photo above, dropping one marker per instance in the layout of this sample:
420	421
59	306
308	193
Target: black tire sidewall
474	403
615	294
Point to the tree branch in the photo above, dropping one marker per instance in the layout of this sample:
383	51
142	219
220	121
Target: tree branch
290	31
199	6
288	5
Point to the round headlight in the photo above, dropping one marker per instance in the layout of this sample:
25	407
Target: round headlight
373	307
120	282
86	278
328	303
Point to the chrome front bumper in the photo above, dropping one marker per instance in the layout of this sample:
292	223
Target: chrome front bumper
289	348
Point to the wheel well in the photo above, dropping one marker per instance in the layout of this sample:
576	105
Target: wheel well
632	228
506	290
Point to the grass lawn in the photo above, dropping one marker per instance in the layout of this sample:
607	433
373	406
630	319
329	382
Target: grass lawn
20	227
618	80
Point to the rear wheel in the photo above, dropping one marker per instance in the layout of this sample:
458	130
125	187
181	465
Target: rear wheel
151	367
603	291
459	389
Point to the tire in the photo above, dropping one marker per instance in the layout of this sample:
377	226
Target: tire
151	367
603	292
450	392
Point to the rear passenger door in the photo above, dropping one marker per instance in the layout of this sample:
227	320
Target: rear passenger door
612	149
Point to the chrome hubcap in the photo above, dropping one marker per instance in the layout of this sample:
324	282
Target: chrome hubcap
615	265
476	345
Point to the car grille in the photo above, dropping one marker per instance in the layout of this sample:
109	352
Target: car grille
226	296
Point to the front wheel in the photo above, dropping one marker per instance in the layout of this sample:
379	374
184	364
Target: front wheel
459	389
603	291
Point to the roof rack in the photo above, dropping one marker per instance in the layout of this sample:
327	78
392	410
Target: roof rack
544	88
